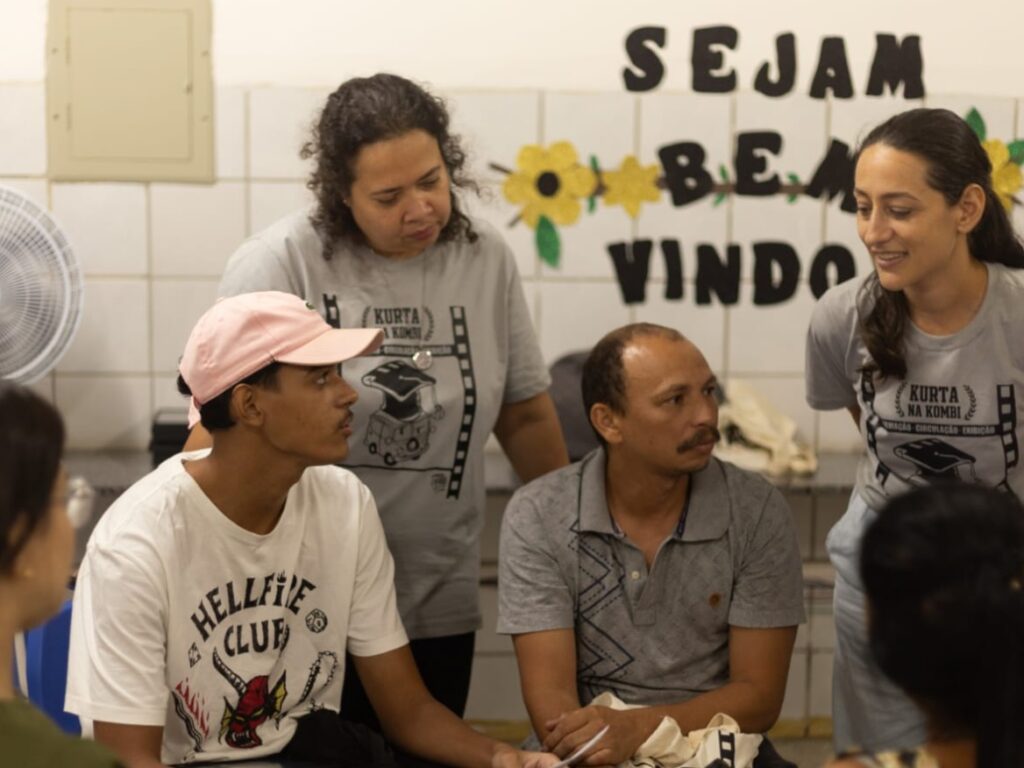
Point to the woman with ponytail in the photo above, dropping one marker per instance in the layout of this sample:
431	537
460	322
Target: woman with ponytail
927	355
943	569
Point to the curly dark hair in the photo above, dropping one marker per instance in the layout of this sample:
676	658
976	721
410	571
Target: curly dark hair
955	159
365	110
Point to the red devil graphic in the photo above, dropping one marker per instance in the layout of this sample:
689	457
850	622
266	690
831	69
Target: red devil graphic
255	705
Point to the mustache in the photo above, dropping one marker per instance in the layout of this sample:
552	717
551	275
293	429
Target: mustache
702	436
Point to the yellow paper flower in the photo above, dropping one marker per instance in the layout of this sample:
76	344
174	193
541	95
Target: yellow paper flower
631	185
1006	175
549	183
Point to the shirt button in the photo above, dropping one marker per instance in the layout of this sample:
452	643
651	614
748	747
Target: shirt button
635	575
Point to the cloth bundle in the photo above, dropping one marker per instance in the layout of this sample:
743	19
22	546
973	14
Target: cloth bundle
719	745
759	437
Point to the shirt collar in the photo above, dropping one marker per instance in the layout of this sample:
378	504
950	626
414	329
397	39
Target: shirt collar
707	504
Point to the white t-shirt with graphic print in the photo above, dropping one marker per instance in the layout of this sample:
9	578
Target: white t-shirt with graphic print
184	620
958	413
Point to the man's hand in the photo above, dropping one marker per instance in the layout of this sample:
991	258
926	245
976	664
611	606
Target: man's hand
628	729
506	757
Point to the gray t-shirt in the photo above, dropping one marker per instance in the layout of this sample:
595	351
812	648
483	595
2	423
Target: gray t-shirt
658	636
957	413
418	435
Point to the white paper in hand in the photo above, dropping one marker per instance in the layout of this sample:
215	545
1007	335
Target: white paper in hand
583	750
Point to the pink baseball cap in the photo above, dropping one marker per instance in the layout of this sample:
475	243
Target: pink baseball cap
241	334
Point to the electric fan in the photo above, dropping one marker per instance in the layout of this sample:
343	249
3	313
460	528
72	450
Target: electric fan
40	289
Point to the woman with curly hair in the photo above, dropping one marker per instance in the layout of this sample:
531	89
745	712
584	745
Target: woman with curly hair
925	353
389	245
943	569
37	544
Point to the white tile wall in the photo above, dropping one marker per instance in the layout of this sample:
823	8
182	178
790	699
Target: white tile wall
165	392
768	339
196	227
597	124
106	225
573	315
493	126
105	411
585	243
270	200
23	126
279	124
177	305
114	333
999	114
229	109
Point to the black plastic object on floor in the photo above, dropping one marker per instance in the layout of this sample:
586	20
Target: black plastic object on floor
168	433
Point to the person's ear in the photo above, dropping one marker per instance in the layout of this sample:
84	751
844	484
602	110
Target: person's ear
245	405
971	208
606	422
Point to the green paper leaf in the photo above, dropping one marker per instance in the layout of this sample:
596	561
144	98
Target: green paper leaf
977	123
790	198
723	172
718	199
793	178
548	244
1016	151
592	200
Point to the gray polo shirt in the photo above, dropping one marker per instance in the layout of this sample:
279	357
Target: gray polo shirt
649	636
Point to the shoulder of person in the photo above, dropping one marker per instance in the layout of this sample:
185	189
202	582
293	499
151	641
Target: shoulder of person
1009	279
340	483
741	482
489	242
552	495
148	507
296	228
841	301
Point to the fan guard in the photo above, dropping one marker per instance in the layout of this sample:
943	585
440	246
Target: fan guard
40	289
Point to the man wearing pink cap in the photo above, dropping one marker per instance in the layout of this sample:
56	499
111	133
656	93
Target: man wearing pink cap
219	594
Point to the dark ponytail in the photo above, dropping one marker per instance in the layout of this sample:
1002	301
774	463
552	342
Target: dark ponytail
955	159
943	570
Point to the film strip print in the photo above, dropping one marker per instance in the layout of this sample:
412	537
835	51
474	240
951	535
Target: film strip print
872	422
460	339
1007	403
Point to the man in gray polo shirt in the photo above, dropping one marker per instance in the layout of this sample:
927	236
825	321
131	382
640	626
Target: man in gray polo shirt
649	569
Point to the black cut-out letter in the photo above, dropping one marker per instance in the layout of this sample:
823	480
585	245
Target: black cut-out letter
785	54
833	73
707	58
673	269
640	47
714	276
836	257
834	174
768	289
685	176
632	262
750	161
896	63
